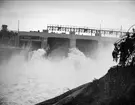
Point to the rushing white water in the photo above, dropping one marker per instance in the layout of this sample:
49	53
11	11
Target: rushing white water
29	81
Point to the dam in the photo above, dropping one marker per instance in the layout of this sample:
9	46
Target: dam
83	38
59	38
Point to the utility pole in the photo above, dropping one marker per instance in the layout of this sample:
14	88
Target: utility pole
100	28
121	30
17	37
101	23
18	25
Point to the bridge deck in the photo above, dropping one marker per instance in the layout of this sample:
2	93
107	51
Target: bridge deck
69	36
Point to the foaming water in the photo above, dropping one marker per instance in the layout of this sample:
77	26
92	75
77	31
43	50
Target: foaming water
37	78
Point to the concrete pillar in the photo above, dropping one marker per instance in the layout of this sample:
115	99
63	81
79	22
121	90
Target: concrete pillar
72	40
72	43
100	44
44	43
17	41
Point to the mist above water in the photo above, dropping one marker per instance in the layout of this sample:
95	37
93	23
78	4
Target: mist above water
37	78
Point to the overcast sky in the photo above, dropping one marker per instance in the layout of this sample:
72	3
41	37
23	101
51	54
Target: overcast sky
35	15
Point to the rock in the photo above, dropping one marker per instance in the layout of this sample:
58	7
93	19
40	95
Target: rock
117	87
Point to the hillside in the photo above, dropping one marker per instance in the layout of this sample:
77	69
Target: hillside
117	87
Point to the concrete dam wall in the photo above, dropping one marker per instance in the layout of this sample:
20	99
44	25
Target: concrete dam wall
60	46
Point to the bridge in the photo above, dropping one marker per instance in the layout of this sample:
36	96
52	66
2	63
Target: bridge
81	37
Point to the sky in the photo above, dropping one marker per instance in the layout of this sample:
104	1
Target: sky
36	14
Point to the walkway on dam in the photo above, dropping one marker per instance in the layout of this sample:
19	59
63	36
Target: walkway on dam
29	35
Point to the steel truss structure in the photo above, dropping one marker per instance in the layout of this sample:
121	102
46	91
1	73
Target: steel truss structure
82	30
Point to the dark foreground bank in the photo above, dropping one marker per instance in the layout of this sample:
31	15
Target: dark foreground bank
117	87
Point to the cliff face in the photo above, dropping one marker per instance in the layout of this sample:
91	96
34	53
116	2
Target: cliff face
117	87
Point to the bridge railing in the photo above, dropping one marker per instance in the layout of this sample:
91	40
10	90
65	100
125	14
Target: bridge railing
83	31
